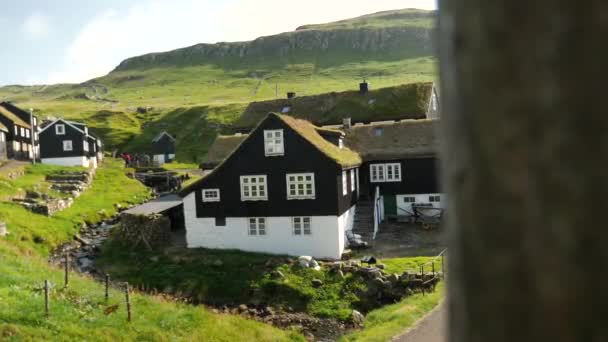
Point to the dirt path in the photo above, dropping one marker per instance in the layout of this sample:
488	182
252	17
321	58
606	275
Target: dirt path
431	328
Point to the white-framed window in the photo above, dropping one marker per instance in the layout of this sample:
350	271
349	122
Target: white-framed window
434	198
390	172
254	188
393	172
67	145
300	185
409	199
353	183
60	129
256	226
344	183
211	195
301	225
16	146
85	146
273	142
27	133
2	137
36	136
357	174
35	121
377	173
22	131
16	130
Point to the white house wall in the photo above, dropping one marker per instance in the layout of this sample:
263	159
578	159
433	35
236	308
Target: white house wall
326	240
420	198
67	161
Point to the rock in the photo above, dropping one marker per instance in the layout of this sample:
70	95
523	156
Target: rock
154	258
218	262
317	282
336	266
314	265
169	289
83	241
340	274
277	274
268	311
357	318
304	261
393	278
3	230
242	308
380	266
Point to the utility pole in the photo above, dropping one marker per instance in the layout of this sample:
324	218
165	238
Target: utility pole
32	133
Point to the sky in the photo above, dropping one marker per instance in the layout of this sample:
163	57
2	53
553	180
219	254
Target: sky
71	41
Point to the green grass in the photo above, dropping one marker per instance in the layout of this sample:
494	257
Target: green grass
242	278
77	313
383	324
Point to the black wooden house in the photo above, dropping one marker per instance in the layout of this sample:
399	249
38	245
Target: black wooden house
20	134
3	133
65	143
289	187
163	148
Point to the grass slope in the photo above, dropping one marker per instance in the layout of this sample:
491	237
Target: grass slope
77	313
196	98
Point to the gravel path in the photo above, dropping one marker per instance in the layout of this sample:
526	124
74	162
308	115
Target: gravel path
431	328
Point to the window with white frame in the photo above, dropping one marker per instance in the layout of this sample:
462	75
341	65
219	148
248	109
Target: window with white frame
344	183
353	184
409	199
273	142
16	130
2	137
16	146
390	172
393	172
257	226
35	121
27	133
377	173
301	226
300	186
434	198
67	145
211	195
253	188
85	146
22	131
59	129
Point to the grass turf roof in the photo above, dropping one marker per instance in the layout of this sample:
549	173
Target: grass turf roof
343	156
404	139
221	148
14	118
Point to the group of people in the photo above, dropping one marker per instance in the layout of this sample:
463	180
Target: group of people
135	160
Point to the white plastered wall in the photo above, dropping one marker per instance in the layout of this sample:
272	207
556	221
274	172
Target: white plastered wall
326	240
67	161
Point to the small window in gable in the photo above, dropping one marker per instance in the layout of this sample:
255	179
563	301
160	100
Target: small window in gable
67	145
60	129
300	186
211	195
273	142
301	226
378	131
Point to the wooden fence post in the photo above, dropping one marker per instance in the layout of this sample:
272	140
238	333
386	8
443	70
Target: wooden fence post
66	269
107	283
128	300
46	298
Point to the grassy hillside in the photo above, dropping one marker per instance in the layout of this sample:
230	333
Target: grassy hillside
78	313
199	90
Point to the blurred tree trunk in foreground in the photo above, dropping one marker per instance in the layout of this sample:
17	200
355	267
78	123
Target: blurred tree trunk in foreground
525	133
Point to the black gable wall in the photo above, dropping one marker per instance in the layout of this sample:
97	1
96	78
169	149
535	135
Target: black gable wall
249	159
418	176
51	145
164	145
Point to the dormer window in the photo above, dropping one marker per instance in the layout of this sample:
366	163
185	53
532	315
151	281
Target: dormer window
60	129
273	142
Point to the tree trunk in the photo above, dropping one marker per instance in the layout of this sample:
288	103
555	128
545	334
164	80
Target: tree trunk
525	136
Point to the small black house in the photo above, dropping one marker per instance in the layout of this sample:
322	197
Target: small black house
64	143
285	189
163	148
19	136
400	162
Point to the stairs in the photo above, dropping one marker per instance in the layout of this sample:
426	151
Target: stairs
364	220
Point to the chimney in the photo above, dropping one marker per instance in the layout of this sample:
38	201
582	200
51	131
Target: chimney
291	95
346	123
363	87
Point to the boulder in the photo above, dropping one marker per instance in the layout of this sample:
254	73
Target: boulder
277	274
242	308
393	278
314	265
357	318
304	261
317	282
380	266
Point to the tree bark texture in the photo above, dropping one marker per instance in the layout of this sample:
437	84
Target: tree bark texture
525	155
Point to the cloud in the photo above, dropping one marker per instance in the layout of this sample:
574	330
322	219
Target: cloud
37	26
